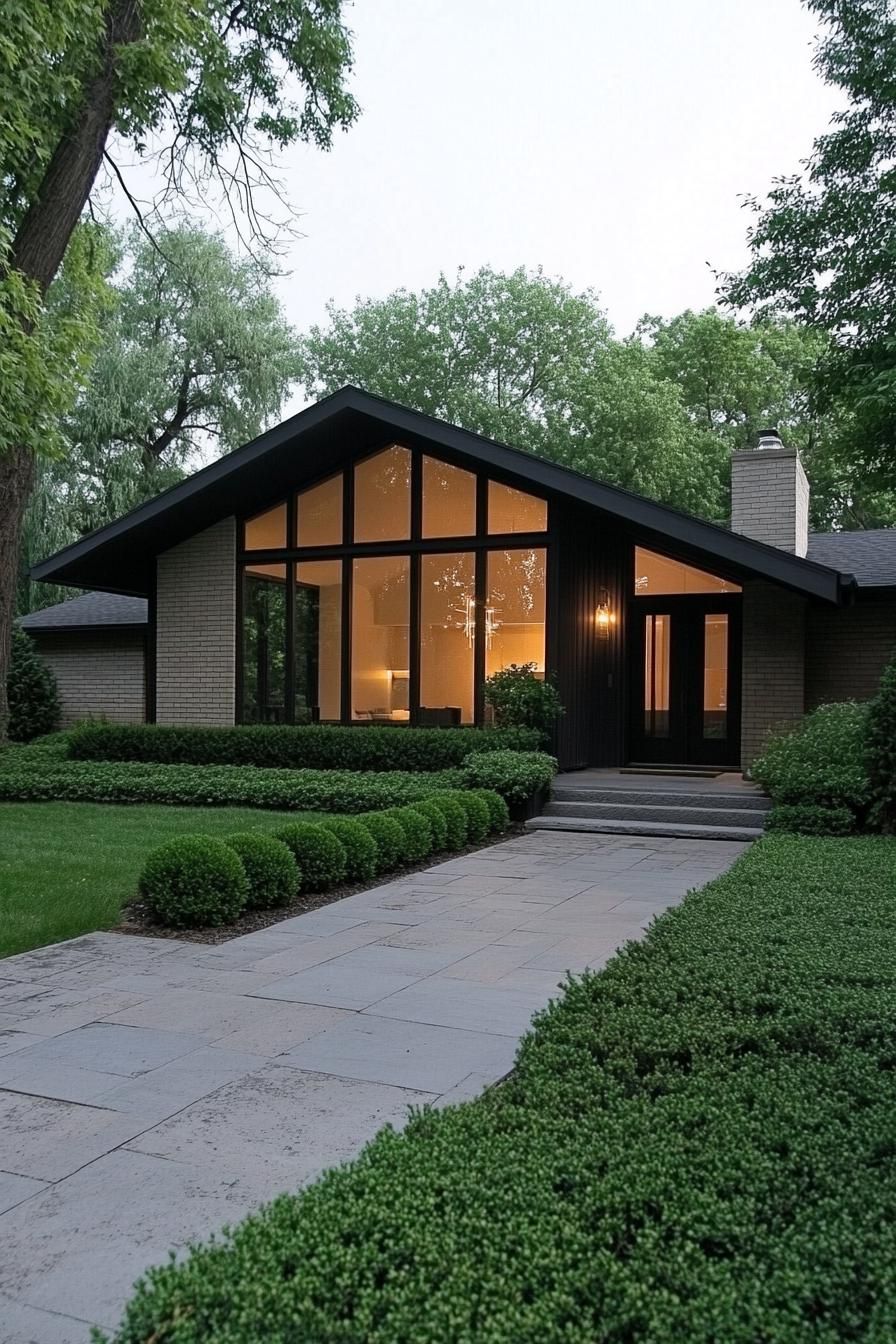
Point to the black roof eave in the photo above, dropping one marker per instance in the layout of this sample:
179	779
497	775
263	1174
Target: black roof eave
192	501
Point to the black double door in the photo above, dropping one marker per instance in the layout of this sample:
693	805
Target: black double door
685	680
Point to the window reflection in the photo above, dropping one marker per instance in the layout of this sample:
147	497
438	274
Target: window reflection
447	638
512	510
318	641
449	500
515	609
380	620
658	575
383	496
264	644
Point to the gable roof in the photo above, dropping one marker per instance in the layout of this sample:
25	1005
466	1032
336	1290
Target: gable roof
120	557
870	556
89	611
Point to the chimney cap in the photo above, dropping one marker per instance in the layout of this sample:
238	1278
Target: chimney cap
769	438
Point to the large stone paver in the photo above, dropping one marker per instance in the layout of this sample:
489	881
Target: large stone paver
152	1090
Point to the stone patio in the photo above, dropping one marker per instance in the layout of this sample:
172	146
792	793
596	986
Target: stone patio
151	1091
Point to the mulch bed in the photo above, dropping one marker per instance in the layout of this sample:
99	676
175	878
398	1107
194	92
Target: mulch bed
136	919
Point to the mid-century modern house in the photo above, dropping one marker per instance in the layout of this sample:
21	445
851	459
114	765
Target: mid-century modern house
363	563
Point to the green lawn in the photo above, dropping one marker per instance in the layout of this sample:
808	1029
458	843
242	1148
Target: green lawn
68	868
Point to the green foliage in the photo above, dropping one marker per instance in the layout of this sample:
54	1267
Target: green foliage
821	248
417	832
522	699
695	1144
270	868
194	881
315	746
881	749
27	775
361	852
516	775
519	357
810	819
437	823
31	688
319	853
455	816
478	815
388	837
821	761
498	813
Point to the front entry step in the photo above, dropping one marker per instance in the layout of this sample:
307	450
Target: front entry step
745	801
604	826
706	813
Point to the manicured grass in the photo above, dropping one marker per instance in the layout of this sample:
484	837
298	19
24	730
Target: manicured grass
697	1145
68	868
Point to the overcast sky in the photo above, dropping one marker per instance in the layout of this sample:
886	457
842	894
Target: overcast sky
609	141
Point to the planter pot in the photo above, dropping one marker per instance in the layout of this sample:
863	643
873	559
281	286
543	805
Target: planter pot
529	807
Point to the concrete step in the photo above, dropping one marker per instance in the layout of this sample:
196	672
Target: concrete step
705	815
678	830
574	793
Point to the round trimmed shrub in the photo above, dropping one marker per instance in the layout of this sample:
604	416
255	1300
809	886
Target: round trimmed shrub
498	811
478	817
417	833
361	854
437	823
272	871
194	881
389	839
319	853
456	817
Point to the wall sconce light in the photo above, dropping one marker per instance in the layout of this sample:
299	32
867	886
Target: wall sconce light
603	616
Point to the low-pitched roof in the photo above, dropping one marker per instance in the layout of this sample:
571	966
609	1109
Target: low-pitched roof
89	611
120	557
870	556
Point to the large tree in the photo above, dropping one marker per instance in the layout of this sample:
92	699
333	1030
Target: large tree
194	357
520	357
214	83
823	251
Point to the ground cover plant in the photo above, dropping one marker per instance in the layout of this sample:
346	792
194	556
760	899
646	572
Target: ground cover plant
69	868
821	763
311	747
696	1144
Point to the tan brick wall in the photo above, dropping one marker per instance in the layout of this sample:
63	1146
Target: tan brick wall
98	673
847	649
770	498
774	645
196	628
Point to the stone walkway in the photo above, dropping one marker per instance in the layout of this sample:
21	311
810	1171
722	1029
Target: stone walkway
151	1091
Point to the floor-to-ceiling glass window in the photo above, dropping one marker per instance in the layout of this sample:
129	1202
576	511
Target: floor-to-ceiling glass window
353	608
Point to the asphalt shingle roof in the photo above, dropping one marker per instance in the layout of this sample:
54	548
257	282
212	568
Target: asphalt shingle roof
88	610
870	556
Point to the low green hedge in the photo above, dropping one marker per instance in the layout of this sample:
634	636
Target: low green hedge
810	819
361	852
417	832
516	775
269	866
319	853
696	1145
458	826
39	778
388	838
820	762
194	881
438	823
315	747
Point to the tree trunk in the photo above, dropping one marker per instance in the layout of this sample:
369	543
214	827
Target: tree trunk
37	251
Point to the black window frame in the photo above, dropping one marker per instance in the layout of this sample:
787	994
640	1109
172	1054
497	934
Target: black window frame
479	543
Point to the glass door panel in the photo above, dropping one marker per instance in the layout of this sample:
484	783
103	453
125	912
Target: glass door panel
715	676
657	630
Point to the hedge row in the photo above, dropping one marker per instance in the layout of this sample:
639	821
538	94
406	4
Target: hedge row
195	881
816	774
696	1145
38	778
315	747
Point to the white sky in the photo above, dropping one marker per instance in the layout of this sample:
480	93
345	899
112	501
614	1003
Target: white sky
608	142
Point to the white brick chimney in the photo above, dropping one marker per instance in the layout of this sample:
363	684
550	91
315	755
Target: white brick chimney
770	494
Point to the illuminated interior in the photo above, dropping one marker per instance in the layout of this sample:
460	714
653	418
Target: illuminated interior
715	675
658	576
656	675
476	608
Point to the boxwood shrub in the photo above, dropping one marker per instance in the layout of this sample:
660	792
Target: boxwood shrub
516	775
389	838
319	854
28	775
316	747
193	881
498	813
455	818
417	833
696	1144
822	761
361	853
810	819
477	813
270	868
437	823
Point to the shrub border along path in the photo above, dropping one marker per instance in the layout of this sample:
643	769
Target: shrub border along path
474	946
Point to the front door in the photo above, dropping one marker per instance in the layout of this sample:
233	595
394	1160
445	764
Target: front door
685	681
